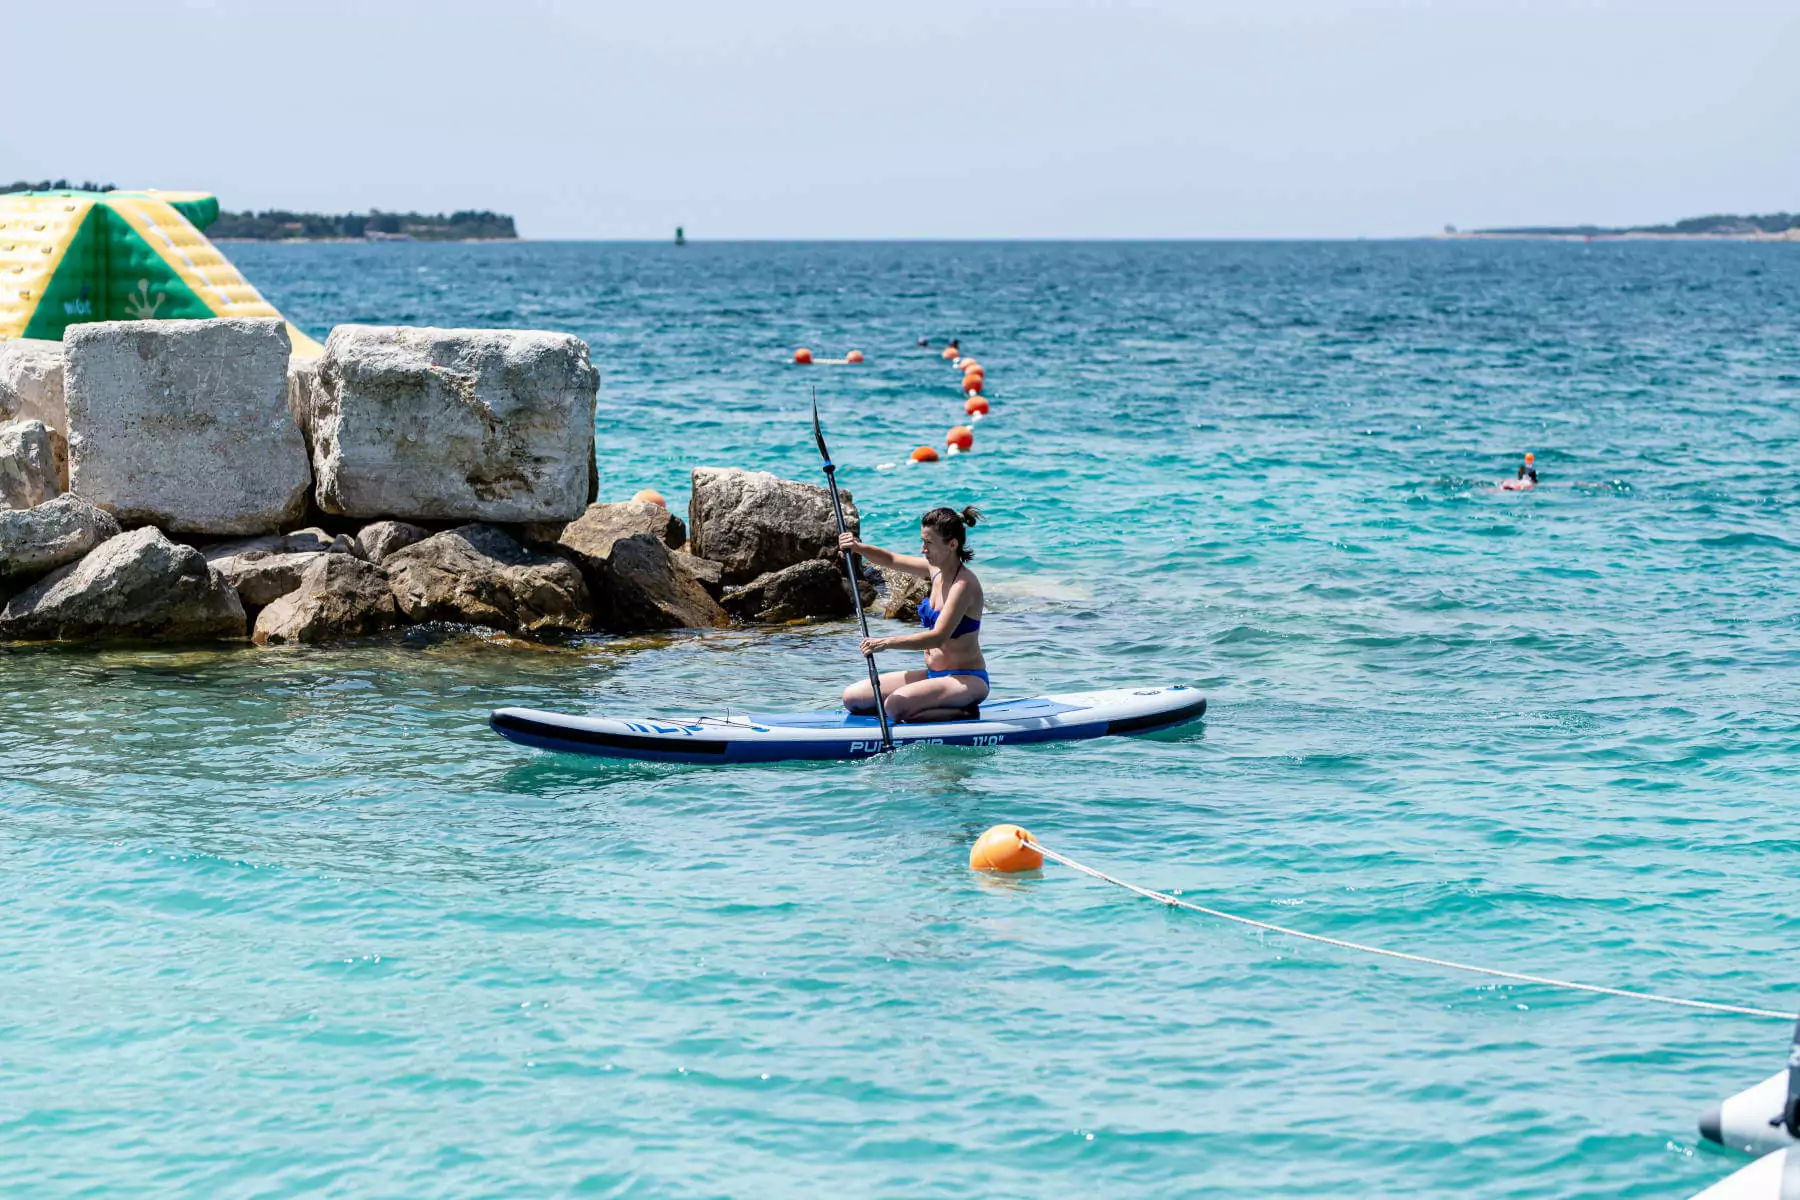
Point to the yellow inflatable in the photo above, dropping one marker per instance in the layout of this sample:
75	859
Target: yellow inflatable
67	257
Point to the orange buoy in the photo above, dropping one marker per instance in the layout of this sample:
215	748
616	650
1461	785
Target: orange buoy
949	352
652	496
961	437
803	355
1003	848
972	385
970	367
925	454
976	406
853	356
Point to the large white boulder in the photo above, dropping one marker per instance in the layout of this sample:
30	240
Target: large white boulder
31	382
185	424
451	424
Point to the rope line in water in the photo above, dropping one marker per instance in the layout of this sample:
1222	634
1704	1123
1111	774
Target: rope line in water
1569	985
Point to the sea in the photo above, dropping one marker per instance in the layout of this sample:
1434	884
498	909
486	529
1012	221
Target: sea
284	922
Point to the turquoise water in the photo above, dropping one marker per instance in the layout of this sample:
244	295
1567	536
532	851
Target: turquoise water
281	922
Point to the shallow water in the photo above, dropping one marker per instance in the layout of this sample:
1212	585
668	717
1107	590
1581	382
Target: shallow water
292	921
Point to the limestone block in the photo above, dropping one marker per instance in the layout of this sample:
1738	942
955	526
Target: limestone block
453	424
28	470
36	540
31	382
185	424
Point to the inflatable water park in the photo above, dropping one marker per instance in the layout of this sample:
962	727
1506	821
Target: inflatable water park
68	257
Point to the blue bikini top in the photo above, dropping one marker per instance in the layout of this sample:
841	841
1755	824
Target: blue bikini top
928	616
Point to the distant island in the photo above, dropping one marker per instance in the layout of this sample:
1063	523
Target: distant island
1779	226
279	225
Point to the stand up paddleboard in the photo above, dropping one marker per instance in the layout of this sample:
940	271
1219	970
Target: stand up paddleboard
756	738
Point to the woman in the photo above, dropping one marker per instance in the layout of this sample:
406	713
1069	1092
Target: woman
955	679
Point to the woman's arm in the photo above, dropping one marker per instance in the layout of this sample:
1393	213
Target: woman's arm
906	564
959	599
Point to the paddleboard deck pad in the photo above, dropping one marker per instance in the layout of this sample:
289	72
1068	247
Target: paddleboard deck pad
753	738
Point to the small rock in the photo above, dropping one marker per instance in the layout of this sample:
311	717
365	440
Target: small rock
57	532
814	588
135	585
477	575
383	538
261	577
632	573
343	543
31	382
28	474
340	595
616	520
904	593
707	573
751	522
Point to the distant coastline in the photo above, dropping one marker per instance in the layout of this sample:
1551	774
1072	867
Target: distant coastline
1769	227
279	225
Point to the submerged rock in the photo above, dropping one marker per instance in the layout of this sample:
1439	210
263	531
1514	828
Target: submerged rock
57	532
477	575
451	424
382	539
751	522
185	424
340	595
28	468
814	588
135	585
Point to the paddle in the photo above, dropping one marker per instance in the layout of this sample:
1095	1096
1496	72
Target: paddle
837	505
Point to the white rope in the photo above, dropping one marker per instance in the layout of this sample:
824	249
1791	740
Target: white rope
1178	902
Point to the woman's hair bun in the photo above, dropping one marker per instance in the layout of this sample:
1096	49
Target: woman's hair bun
971	515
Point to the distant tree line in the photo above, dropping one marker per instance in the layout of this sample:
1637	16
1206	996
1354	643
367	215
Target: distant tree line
1716	224
279	224
56	185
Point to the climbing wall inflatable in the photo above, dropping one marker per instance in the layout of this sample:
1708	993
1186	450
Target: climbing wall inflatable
67	257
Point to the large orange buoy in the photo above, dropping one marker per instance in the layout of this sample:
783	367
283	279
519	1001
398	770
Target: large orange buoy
972	385
652	496
925	454
970	367
976	406
1003	848
853	356
950	352
803	355
961	437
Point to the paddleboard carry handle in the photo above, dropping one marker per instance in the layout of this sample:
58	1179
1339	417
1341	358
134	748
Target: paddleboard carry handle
862	618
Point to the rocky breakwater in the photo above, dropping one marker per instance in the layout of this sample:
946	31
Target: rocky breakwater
189	480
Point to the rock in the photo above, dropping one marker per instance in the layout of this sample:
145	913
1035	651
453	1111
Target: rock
707	573
383	538
478	575
260	577
904	592
59	531
28	474
453	424
303	395
621	520
633	575
135	585
340	595
31	382
751	523
184	424
343	543
814	588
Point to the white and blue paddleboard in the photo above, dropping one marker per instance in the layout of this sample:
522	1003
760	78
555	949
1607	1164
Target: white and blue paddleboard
775	738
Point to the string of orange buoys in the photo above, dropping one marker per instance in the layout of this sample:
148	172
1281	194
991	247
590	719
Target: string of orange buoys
961	438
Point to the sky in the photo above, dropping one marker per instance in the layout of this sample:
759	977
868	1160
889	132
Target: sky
802	119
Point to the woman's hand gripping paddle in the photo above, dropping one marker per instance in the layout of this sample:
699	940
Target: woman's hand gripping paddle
837	505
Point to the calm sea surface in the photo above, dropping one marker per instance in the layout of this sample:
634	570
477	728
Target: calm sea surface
294	921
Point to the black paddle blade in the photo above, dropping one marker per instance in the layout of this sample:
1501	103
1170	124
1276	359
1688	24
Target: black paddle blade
819	434
1790	1112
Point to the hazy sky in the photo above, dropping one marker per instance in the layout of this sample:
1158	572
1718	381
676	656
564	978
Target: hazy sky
797	119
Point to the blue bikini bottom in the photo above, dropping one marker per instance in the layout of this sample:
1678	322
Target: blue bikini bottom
981	675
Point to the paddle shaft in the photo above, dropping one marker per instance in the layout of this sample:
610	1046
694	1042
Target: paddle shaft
862	618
